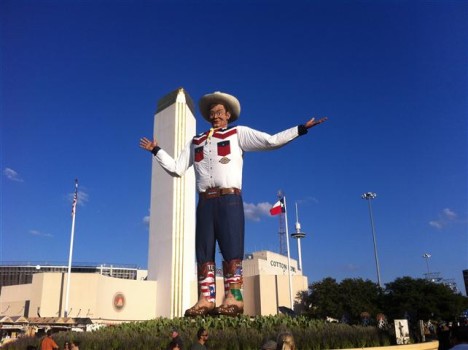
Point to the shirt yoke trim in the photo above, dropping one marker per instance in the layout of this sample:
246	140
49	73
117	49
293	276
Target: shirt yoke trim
219	134
222	134
199	139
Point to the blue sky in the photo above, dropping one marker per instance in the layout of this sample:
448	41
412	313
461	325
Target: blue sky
80	81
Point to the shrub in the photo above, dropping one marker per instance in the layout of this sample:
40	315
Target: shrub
226	333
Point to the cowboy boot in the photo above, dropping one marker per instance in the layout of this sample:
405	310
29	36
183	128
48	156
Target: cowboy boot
206	291
233	303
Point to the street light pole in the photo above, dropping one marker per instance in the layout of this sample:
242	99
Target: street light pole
427	256
370	196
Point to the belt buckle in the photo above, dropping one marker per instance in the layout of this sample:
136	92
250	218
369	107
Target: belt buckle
226	191
212	193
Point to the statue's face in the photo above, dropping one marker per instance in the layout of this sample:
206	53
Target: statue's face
218	116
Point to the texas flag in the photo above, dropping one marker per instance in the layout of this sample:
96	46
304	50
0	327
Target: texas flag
278	207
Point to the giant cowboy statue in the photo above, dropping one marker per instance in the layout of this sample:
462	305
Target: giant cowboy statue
217	156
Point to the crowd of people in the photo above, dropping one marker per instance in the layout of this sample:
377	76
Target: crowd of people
285	341
457	340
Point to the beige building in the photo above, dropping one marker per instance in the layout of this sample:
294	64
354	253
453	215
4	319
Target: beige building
92	295
106	299
266	283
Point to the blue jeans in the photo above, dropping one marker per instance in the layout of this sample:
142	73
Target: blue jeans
220	219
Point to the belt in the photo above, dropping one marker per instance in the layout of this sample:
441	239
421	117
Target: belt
216	192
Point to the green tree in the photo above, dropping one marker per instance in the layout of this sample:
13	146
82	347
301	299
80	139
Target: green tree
422	299
419	299
351	297
324	299
359	296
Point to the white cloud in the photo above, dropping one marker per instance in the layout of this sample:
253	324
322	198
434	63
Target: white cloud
39	234
449	214
254	212
436	224
146	218
445	217
12	175
351	267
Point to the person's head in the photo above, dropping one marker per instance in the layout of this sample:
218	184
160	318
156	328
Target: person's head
219	109
49	332
285	342
269	345
174	332
174	345
66	345
202	335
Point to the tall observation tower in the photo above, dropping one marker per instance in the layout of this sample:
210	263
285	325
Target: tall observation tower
298	235
171	256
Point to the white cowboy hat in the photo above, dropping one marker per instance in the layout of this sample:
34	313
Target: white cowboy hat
218	97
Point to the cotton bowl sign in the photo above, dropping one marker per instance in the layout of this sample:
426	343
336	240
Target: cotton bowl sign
119	301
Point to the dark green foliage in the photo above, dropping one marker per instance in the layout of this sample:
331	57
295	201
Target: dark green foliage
418	299
423	300
349	298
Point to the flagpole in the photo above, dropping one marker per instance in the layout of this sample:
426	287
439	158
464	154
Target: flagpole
289	256
75	200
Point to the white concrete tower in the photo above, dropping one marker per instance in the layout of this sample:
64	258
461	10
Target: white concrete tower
171	256
298	235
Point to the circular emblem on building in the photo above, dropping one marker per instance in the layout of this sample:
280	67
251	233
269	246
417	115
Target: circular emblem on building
119	301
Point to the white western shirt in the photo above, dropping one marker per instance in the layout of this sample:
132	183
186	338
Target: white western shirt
218	160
